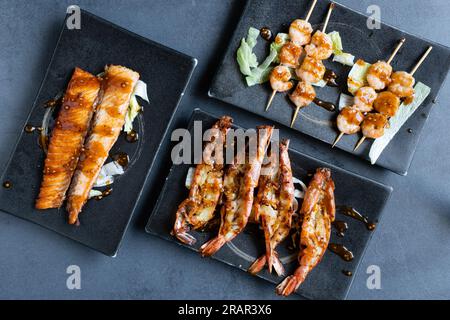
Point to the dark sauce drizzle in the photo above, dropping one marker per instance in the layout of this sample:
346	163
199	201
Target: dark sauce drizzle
341	251
29	128
132	136
347	273
324	104
7	184
121	158
352	213
104	194
266	33
330	78
341	227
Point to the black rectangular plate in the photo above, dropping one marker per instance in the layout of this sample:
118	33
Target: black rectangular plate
327	280
369	45
97	43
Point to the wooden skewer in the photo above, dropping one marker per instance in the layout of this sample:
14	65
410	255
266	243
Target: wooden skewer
338	139
313	5
421	60
308	16
394	53
327	20
399	45
360	142
297	109
274	92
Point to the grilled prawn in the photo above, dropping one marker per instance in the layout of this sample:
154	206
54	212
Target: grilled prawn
198	209
239	184
274	206
318	210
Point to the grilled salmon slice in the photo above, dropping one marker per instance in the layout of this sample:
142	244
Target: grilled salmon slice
117	87
72	125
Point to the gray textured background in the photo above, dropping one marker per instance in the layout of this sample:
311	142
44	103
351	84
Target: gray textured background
411	245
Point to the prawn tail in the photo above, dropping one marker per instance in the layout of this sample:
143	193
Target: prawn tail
277	264
258	265
212	246
288	286
181	227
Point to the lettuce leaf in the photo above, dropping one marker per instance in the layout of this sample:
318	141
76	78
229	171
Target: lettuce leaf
357	78
248	62
337	43
245	56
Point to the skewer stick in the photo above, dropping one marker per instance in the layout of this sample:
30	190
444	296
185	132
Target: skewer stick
399	45
338	139
327	19
308	16
360	142
297	109
421	60
274	92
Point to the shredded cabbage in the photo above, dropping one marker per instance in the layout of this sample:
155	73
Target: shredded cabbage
248	62
94	193
404	113
134	108
107	173
357	78
338	50
245	56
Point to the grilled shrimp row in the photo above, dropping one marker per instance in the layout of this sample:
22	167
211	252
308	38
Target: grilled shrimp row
273	207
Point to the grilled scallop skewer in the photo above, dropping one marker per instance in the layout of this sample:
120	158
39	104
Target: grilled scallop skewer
378	76
239	185
198	209
388	102
321	48
274	206
300	34
318	210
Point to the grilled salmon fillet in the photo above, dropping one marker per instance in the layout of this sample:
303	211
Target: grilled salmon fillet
117	87
72	125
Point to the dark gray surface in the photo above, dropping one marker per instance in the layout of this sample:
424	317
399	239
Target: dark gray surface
411	245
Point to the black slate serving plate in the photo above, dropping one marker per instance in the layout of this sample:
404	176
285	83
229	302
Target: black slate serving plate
97	43
327	281
369	45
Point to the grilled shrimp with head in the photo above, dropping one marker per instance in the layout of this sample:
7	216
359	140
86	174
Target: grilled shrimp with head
318	210
239	184
280	79
311	70
198	209
274	205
